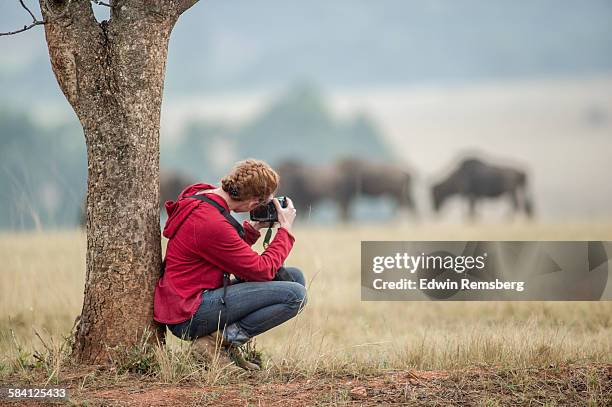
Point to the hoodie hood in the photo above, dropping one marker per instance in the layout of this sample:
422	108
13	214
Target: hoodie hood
180	209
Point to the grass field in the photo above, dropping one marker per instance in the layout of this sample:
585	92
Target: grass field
42	276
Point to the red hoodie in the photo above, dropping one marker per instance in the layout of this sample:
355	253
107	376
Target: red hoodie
202	246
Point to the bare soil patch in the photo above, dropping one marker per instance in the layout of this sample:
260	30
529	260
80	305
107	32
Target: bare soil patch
563	386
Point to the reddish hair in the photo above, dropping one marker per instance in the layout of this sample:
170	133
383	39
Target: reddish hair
250	179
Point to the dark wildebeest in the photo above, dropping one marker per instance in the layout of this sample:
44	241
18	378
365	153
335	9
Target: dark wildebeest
360	177
306	185
171	184
476	180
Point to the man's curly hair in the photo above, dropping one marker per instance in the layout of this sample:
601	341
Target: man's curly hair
250	179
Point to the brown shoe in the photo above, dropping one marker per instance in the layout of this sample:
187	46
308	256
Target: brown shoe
211	351
236	354
214	349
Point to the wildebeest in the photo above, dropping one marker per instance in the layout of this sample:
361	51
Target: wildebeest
360	177
171	184
475	180
306	185
343	182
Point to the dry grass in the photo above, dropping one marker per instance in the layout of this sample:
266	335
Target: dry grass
41	285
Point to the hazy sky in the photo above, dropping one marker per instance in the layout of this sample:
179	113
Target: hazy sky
245	45
524	81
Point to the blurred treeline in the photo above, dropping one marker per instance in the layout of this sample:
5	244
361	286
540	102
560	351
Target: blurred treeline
44	167
43	172
297	126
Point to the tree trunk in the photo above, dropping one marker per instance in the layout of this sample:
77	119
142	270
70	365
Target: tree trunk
112	73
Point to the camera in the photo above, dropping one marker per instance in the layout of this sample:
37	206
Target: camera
267	212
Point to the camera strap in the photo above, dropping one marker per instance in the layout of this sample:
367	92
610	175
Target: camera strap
268	236
266	243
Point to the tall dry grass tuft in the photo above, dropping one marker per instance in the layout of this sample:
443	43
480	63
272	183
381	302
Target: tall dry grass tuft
55	356
51	359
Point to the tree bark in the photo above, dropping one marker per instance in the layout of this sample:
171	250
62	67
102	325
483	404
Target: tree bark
112	74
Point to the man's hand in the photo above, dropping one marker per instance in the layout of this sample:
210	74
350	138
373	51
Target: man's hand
286	216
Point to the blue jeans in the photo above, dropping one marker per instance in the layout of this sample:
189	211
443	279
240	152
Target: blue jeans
250	309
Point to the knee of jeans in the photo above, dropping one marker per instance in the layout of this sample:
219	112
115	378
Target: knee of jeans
299	295
190	329
297	275
181	331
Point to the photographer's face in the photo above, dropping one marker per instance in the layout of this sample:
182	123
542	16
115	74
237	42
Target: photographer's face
252	203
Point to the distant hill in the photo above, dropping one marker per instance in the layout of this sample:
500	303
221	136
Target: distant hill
298	125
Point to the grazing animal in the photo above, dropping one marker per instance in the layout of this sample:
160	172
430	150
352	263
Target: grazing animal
306	185
171	184
475	180
360	177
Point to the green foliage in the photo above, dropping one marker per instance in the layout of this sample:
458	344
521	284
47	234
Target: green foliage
137	360
252	354
140	358
20	359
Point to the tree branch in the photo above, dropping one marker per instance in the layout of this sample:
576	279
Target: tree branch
157	8
34	23
52	14
74	39
184	5
28	10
